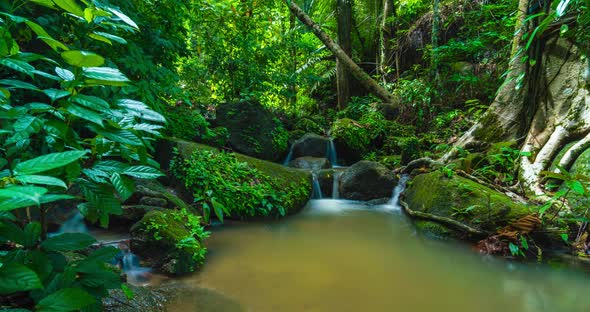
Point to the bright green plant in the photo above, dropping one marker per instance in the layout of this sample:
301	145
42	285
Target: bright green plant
64	128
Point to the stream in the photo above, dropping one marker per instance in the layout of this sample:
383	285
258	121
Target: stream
342	255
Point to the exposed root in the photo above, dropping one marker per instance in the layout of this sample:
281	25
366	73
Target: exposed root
499	188
442	220
573	153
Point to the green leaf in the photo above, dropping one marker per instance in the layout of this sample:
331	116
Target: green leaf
514	249
124	18
17	65
18	84
16	278
67	299
100	38
218	208
43	35
104	254
104	74
565	237
55	94
30	193
576	186
65	74
47	162
10	232
70	6
141	110
124	186
91	102
32	234
85	114
127	291
43	180
143	172
82	58
524	243
110	37
68	242
45	3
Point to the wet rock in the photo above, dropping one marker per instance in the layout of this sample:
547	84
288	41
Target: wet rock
145	299
253	130
310	163
153	201
311	145
160	238
367	180
463	200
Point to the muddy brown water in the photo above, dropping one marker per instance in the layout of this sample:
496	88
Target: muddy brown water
346	256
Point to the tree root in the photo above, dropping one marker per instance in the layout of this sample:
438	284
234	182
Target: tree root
498	188
442	220
574	152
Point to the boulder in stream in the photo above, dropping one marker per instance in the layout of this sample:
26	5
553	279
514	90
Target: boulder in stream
311	144
463	200
367	180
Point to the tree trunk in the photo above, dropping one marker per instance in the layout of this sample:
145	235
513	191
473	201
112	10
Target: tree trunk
386	35
344	13
434	37
293	83
364	79
544	111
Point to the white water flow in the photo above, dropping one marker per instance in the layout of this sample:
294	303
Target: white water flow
317	190
289	156
336	185
331	153
75	224
393	203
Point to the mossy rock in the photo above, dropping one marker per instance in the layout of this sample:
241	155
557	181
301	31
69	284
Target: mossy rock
351	138
159	238
463	200
311	145
285	178
253	130
435	230
367	180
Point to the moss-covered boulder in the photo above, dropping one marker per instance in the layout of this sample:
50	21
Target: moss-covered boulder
463	200
351	138
250	187
367	180
311	145
170	241
253	130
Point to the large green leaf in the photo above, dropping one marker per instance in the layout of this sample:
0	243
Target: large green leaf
141	110
110	37
43	180
43	35
30	193
124	186
11	203
55	94
104	74
85	114
143	172
70	6
124	18
68	242
18	84
91	102
16	278
47	162
82	58
67	299
32	234
17	65
65	74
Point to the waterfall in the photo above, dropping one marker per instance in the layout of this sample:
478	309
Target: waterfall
317	190
136	274
331	153
75	224
336	185
397	191
289	156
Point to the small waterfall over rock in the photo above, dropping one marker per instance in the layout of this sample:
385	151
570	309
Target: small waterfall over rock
336	185
75	224
331	153
136	274
289	156
317	190
397	191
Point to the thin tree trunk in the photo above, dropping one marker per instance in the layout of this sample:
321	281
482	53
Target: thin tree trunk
435	34
386	35
344	13
293	84
363	78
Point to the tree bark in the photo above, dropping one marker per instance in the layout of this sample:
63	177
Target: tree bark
386	35
364	79
344	13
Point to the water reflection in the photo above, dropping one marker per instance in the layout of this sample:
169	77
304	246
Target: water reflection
345	256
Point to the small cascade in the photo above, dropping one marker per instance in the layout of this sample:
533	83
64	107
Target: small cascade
331	153
289	156
75	224
136	274
317	190
397	191
336	185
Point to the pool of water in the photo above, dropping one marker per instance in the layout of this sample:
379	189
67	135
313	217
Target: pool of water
346	256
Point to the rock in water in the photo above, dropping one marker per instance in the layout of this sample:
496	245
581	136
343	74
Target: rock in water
311	163
367	180
311	145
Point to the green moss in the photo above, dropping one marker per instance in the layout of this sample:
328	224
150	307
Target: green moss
247	186
492	130
582	164
463	200
433	229
353	133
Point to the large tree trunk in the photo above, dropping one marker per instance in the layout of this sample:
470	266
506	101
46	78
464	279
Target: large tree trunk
364	79
386	35
543	112
344	13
